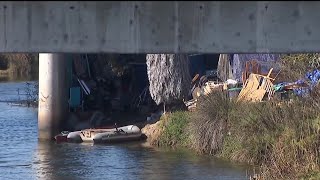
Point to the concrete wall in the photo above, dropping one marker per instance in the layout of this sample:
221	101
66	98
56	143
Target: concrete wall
160	27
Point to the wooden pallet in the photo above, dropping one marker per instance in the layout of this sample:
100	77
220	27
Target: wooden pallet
256	87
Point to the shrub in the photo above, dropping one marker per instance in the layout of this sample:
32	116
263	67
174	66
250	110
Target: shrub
174	129
208	124
294	66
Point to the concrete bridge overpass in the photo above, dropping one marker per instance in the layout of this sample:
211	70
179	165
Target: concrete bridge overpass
55	28
153	27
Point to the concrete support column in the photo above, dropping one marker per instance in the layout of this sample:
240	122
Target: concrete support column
53	94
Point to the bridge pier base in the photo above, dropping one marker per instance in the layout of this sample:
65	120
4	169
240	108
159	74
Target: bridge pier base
53	94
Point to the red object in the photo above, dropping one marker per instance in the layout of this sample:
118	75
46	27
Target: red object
61	138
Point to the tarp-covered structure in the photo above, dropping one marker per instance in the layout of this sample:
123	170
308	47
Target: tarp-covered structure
231	66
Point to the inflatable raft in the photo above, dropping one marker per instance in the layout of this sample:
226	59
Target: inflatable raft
125	133
67	136
110	135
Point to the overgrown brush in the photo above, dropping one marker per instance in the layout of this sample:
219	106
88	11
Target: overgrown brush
174	129
294	66
208	125
281	137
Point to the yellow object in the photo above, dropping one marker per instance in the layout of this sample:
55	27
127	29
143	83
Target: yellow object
255	88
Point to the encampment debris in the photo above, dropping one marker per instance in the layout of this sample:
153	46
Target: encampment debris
251	72
301	87
256	87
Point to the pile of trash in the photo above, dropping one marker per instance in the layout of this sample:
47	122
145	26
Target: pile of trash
250	78
247	81
301	87
256	88
204	86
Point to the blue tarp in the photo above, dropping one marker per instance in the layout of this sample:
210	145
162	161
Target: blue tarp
312	78
75	97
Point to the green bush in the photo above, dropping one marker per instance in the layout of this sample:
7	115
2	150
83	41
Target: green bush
174	129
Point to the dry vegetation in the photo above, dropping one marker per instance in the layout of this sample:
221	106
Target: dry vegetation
294	66
281	137
208	125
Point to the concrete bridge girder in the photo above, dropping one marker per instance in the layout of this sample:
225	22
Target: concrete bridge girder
160	27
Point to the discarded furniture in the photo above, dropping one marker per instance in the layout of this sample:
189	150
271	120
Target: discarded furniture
256	87
250	67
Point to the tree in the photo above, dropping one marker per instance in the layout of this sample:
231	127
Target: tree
169	77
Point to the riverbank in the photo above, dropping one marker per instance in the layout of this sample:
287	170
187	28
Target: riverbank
19	64
282	138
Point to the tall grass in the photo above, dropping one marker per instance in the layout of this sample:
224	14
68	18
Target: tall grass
209	121
174	129
281	137
294	66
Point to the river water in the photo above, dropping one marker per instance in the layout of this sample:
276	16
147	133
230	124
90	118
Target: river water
23	157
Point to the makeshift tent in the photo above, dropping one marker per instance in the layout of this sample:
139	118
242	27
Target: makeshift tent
266	62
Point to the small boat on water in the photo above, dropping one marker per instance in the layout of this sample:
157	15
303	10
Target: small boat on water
101	135
125	133
62	137
66	136
74	136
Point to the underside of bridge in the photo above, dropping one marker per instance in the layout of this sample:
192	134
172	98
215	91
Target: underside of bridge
159	27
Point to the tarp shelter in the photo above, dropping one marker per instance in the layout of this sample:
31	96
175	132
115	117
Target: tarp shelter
266	62
235	64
